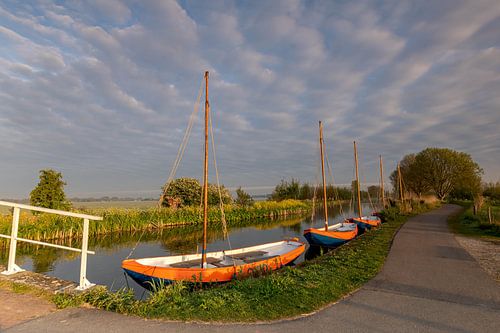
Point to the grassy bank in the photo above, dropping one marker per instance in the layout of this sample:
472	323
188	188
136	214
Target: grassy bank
468	224
285	293
116	220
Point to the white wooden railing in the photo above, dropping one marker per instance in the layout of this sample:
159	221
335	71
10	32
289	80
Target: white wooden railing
12	268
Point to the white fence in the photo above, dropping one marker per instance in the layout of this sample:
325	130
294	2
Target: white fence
12	268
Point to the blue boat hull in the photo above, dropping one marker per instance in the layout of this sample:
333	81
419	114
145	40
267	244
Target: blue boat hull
147	281
325	241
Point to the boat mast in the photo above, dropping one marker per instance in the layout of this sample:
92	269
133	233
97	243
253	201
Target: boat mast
357	179
323	173
401	196
205	179
382	192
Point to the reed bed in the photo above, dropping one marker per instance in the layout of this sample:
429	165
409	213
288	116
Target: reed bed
122	220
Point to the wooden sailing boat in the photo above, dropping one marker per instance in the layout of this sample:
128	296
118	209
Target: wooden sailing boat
363	222
337	234
218	266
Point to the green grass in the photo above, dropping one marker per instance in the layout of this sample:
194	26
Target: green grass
468	224
281	294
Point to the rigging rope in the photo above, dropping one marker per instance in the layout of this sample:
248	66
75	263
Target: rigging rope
335	191
183	145
177	161
221	203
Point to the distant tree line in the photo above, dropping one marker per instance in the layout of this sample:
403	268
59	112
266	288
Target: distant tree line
293	189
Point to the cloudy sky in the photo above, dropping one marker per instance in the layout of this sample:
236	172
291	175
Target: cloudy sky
102	90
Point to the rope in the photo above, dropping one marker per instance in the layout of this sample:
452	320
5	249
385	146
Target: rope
183	145
221	204
335	191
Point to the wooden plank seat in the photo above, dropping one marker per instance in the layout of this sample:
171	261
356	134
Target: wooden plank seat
247	255
196	263
254	259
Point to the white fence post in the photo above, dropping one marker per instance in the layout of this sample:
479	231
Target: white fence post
12	268
84	283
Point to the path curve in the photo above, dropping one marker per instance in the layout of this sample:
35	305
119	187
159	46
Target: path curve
428	283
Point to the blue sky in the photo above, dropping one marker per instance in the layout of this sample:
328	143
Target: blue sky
102	90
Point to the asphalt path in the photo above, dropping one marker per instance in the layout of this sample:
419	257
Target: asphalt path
429	283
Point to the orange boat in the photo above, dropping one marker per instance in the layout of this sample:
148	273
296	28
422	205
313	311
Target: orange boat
220	266
337	234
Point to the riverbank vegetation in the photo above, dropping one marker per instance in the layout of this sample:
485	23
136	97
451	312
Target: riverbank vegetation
485	222
289	292
46	227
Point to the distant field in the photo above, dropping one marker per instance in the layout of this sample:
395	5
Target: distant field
114	204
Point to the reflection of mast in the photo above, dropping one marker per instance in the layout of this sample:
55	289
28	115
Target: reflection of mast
205	179
382	192
323	173
357	179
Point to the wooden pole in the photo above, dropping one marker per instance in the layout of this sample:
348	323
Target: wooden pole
400	181
323	173
382	191
490	219
358	191
205	179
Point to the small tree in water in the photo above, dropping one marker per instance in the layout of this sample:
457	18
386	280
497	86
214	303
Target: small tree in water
49	192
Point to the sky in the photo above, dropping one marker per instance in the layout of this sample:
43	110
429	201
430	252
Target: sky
102	90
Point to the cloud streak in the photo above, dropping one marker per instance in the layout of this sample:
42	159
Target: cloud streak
102	90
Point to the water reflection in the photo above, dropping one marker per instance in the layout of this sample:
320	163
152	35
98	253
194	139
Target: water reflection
104	267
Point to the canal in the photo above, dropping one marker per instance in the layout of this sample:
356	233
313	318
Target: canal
104	267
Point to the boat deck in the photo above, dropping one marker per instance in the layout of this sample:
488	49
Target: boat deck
228	260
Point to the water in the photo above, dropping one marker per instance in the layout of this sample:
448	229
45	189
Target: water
104	267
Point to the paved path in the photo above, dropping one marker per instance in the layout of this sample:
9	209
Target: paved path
429	283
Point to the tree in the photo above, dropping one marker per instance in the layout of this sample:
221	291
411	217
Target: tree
441	170
49	192
187	190
413	179
286	190
243	198
213	195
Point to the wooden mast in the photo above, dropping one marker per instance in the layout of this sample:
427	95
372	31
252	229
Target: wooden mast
323	173
205	179
382	191
357	180
400	181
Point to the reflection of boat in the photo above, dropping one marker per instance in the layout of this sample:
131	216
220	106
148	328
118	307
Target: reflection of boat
219	266
337	234
363	222
215	266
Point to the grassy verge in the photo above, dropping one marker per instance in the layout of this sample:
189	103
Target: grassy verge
47	227
285	293
468	224
20	288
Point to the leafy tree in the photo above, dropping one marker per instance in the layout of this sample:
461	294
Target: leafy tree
413	179
445	169
374	192
286	190
243	198
49	192
306	192
188	190
213	195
